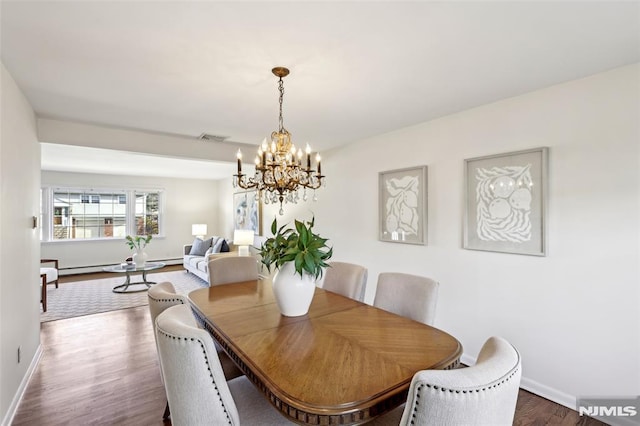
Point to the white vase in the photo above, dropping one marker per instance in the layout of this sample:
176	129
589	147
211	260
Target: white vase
293	293
140	258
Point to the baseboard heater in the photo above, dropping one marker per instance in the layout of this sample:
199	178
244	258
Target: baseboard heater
74	270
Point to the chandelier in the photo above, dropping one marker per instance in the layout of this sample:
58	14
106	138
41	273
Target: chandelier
282	170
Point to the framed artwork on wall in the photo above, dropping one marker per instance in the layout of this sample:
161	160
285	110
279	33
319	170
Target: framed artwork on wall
402	205
247	211
505	202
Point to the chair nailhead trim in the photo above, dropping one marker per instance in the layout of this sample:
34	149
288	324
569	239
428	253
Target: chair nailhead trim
206	360
166	300
420	386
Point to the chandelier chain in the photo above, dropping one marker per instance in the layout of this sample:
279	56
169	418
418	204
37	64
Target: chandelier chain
281	90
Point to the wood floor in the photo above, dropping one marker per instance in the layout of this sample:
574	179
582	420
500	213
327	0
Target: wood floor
103	369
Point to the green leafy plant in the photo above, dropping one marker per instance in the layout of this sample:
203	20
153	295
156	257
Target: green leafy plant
138	242
301	245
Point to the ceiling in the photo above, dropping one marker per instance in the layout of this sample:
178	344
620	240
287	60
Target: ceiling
358	69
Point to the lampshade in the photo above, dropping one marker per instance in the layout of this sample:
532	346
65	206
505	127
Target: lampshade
243	238
199	229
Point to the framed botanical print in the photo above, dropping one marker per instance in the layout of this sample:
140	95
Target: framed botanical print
247	211
402	204
505	202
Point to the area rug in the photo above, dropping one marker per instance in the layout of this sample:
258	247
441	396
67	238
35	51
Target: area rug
80	298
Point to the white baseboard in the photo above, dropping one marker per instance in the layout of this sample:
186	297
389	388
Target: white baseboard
13	408
98	268
549	393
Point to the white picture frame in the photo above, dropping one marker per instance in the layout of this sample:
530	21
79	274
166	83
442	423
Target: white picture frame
402	205
505	202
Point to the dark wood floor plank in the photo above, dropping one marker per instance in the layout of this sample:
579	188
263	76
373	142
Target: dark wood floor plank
97	369
103	369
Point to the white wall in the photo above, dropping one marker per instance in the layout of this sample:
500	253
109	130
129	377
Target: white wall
574	313
19	243
188	201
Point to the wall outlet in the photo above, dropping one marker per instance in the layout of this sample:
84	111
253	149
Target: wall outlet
19	353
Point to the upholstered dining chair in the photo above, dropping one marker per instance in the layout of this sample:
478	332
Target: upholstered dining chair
162	296
483	394
410	296
232	269
347	279
196	387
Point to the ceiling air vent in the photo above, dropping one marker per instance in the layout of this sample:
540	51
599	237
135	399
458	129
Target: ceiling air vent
212	138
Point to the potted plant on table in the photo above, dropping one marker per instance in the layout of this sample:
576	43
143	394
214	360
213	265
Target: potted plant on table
299	255
138	244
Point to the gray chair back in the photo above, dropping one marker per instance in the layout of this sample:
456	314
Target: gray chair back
410	296
232	269
347	279
484	394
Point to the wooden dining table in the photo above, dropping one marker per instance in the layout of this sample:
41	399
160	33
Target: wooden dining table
344	362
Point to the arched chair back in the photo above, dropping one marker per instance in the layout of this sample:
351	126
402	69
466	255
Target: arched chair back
347	279
410	296
197	389
162	296
484	394
232	269
194	381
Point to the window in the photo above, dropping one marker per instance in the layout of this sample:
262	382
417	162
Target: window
147	213
82	214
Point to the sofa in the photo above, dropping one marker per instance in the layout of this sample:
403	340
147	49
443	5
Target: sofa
196	255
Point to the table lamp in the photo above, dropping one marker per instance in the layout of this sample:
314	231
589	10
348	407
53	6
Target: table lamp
199	230
243	238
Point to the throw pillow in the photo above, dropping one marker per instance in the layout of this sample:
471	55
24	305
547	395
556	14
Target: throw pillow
218	245
225	246
199	247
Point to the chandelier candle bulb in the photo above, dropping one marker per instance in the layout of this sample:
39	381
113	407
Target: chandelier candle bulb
318	161
239	157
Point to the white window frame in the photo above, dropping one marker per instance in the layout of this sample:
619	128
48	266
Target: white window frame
47	209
